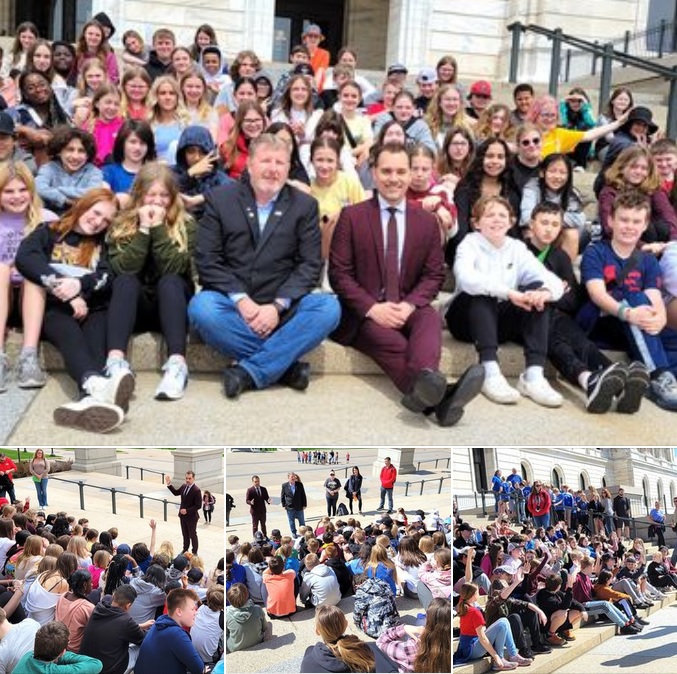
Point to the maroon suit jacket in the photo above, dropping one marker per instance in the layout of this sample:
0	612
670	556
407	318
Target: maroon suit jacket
357	262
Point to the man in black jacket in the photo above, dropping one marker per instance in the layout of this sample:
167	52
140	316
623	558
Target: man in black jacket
256	498
189	509
259	260
111	631
293	500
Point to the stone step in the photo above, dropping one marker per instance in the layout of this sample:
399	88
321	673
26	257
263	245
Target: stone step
147	353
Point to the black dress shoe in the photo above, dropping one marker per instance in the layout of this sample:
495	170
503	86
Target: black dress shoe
427	391
458	395
236	380
297	376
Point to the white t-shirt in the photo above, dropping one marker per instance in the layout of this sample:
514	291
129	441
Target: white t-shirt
17	643
206	632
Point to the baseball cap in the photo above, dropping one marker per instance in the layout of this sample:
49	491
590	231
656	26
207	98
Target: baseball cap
465	527
505	569
331	472
416	518
427	76
480	88
303	69
6	124
313	29
397	69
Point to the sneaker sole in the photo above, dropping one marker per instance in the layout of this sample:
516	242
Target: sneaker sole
604	393
124	391
163	395
31	383
634	390
468	387
95	419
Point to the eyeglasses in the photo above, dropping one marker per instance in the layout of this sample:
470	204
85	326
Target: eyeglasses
547	115
526	142
252	122
459	143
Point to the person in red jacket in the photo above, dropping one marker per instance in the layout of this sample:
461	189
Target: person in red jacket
388	477
539	503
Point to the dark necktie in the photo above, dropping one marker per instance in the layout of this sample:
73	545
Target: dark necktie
392	285
258	492
186	490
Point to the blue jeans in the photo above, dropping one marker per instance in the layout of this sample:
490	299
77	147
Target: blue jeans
500	636
608	609
217	319
41	489
389	492
295	515
542	520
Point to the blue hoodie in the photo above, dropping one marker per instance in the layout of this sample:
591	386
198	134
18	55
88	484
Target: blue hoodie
167	648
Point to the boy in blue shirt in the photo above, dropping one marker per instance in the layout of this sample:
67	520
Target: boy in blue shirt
626	307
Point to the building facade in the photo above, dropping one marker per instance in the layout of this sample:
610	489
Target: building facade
646	475
415	32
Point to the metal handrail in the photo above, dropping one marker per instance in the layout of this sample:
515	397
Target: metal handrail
447	459
114	492
422	482
148	470
606	52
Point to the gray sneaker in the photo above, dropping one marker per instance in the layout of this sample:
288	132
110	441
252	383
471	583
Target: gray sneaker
4	371
663	391
28	372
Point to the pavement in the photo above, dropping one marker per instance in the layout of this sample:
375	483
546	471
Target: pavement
336	410
131	526
291	636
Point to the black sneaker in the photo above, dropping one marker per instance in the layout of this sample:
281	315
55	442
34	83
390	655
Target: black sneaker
603	386
542	648
636	386
641	621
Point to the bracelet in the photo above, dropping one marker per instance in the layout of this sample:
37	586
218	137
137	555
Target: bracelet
623	308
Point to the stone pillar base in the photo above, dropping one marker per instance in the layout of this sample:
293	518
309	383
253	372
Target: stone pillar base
207	464
401	458
100	460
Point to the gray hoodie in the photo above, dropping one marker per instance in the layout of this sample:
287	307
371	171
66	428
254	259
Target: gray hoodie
321	585
245	626
148	598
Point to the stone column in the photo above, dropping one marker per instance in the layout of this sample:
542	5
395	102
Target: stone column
206	463
100	460
259	21
409	33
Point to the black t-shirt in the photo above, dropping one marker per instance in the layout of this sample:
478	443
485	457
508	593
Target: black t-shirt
522	173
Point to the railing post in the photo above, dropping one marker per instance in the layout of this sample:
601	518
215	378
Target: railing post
141	474
81	487
406	488
595	56
484	504
164	502
439	491
672	107
141	506
661	35
127	471
567	65
420	493
555	57
436	461
114	504
626	45
516	29
605	77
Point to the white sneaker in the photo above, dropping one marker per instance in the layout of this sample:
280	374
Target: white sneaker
174	380
114	390
89	414
497	389
539	391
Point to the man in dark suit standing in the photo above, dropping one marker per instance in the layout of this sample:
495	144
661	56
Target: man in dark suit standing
293	500
256	498
189	508
259	259
386	266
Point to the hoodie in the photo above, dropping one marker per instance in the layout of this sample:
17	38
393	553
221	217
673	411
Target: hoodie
108	635
148	598
319	658
320	586
105	21
245	626
68	663
214	81
167	648
197	136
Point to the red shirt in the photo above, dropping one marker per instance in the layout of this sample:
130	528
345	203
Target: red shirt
473	619
7	464
388	476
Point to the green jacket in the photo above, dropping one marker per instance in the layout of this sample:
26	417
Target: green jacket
153	255
68	663
245	626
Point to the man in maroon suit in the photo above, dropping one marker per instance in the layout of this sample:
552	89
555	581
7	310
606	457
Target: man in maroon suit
386	266
189	508
256	498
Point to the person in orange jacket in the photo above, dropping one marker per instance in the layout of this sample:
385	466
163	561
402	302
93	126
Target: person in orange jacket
319	58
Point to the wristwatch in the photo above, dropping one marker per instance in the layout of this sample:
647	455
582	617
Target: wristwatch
280	306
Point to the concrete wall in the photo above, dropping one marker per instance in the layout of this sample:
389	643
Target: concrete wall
367	26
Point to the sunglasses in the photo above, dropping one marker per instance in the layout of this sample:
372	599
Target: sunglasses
526	142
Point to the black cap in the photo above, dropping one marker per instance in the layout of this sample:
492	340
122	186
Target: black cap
640	114
6	124
303	69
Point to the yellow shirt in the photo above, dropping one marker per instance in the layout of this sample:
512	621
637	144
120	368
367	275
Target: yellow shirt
560	140
345	191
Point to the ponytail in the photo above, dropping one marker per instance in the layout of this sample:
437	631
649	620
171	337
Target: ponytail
353	652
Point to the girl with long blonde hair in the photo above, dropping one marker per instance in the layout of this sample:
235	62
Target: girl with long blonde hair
446	111
167	116
151	252
21	212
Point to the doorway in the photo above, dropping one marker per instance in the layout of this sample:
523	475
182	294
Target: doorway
479	465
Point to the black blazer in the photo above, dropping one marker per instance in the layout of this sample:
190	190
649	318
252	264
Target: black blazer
233	256
297	501
192	501
353	485
257	504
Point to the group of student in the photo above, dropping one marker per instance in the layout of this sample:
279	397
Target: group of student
101	242
79	601
542	583
391	557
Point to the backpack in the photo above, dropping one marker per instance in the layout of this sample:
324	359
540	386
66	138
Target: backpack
342	510
375	610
